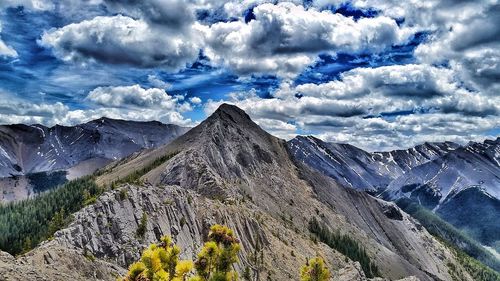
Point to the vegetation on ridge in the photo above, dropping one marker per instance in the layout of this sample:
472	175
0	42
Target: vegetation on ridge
160	262
134	177
215	262
314	270
469	249
345	245
26	223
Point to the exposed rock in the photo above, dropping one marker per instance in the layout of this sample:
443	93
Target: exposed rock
56	264
438	176
79	150
393	212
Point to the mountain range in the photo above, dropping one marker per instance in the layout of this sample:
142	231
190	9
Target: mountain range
34	158
228	170
461	183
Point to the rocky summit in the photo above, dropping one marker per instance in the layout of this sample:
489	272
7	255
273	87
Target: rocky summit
228	170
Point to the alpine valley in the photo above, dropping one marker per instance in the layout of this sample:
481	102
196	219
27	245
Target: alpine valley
99	193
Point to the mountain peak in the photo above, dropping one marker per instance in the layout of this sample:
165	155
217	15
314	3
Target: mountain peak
231	112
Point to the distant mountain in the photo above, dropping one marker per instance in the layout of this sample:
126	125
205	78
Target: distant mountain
476	165
460	183
463	187
358	169
33	153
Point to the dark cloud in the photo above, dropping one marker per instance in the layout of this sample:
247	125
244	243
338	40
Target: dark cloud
123	40
173	14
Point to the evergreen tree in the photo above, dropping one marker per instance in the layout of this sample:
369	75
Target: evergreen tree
218	255
314	270
160	262
345	245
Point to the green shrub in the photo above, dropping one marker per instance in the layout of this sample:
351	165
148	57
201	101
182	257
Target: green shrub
345	245
143	226
215	261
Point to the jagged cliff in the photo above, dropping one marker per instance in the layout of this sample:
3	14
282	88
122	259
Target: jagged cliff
228	170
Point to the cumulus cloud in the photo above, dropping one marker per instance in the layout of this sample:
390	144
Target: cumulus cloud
122	40
470	45
173	14
449	93
195	100
157	82
58	113
15	111
285	38
377	108
137	103
407	131
135	95
121	102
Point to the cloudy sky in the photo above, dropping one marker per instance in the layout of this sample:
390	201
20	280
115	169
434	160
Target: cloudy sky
379	74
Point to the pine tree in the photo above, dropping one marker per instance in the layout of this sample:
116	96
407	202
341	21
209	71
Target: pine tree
314	270
160	262
218	255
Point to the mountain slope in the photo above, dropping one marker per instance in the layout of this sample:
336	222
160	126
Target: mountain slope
463	187
358	169
459	183
229	158
477	164
79	150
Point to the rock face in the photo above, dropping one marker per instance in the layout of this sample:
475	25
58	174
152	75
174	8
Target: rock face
359	169
228	170
79	150
439	176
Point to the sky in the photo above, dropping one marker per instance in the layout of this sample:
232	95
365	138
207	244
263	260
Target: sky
379	74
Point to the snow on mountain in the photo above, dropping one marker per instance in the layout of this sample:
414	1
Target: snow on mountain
356	168
460	183
27	150
35	148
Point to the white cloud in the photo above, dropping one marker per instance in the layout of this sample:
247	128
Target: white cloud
407	131
58	113
123	40
285	38
122	102
34	5
14	111
172	14
157	82
470	44
195	100
135	95
352	109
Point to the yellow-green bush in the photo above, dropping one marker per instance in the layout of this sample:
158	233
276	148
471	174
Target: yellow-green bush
160	262
314	270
